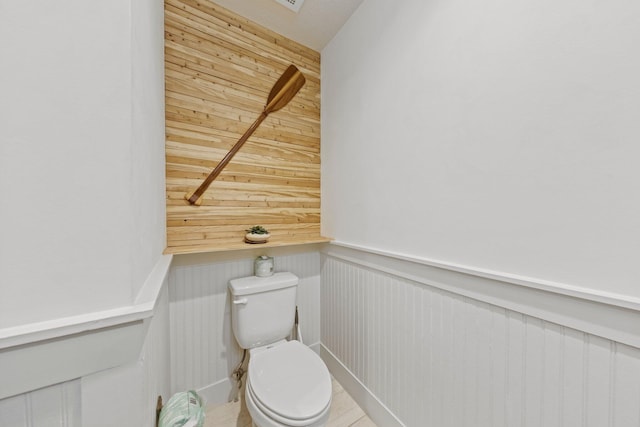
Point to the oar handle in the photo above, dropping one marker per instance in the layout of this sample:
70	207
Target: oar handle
193	198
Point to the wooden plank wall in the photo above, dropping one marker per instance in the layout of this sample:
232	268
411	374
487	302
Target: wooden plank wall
219	69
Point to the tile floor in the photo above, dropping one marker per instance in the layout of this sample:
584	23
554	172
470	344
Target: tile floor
345	412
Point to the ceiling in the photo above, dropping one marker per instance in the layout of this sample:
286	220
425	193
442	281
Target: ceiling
314	26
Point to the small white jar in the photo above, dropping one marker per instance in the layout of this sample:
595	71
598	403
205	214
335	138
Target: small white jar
263	266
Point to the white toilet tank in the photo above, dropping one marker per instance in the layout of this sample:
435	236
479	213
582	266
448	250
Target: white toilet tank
262	308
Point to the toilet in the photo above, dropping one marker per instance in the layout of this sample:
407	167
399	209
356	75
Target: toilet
287	385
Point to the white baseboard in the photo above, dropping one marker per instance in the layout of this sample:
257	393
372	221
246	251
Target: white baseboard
315	347
217	393
376	410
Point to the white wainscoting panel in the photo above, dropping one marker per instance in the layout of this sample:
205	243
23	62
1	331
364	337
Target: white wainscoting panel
435	358
54	406
126	395
123	395
203	349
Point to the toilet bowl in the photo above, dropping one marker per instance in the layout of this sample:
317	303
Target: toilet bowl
287	385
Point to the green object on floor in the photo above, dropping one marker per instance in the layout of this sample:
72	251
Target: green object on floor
184	409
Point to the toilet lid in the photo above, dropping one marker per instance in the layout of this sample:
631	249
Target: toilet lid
290	380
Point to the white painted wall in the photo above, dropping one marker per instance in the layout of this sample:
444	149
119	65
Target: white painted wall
501	135
147	183
82	232
81	156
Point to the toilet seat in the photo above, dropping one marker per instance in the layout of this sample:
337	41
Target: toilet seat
270	418
289	383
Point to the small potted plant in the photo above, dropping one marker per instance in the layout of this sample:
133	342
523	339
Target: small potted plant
257	234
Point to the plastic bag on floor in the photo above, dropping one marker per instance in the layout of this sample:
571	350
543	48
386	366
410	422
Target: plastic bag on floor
184	409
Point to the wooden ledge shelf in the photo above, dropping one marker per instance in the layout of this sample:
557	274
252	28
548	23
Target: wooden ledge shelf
238	245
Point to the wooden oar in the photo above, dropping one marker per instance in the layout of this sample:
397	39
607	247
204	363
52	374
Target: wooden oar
282	92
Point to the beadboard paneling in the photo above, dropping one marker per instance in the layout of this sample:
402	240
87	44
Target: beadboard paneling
219	69
435	358
53	406
203	349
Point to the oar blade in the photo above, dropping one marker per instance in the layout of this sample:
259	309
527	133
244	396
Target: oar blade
283	91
